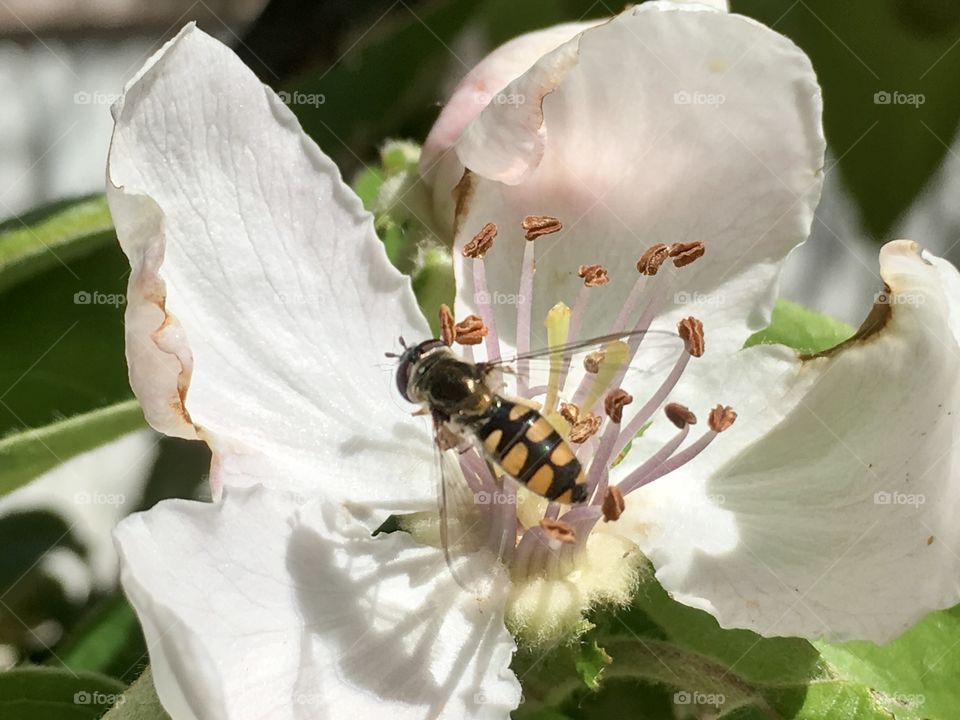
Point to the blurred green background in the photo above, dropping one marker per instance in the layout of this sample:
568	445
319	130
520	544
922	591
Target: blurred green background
383	70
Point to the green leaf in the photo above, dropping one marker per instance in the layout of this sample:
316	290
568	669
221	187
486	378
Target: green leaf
918	671
52	236
591	662
140	702
62	356
801	329
35	693
26	454
739	674
108	641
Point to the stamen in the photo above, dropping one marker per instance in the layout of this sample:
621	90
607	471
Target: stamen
470	330
691	330
614	403
685	253
598	474
593	386
593	275
524	309
476	249
569	412
585	428
481	242
647	472
447	332
591	363
651	260
558	530
613	504
721	418
538	225
680	415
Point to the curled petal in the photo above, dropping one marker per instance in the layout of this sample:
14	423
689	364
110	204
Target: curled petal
710	133
826	510
256	607
260	300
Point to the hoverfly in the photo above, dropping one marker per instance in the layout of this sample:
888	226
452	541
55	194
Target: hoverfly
467	406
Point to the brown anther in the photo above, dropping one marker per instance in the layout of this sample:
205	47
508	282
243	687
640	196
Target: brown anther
537	225
569	412
691	330
680	415
470	330
591	363
481	242
685	253
585	428
614	403
721	417
652	259
447	332
613	504
558	530
593	275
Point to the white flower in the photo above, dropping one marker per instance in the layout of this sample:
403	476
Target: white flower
261	303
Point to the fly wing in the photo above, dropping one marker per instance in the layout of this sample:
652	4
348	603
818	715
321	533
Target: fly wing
462	523
582	372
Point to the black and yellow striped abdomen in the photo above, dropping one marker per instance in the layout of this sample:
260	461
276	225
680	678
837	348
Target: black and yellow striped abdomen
529	449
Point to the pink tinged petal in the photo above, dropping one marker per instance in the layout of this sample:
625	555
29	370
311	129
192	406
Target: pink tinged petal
670	123
439	165
827	510
257	607
260	299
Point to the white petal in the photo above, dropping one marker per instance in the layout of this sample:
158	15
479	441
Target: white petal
441	167
826	511
671	123
257	608
260	299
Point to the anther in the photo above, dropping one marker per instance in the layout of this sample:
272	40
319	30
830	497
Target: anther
691	330
680	415
613	504
585	428
481	242
685	253
614	403
447	332
591	363
593	275
558	530
569	412
470	330
537	225
652	259
721	418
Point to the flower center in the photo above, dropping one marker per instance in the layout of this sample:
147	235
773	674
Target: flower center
536	538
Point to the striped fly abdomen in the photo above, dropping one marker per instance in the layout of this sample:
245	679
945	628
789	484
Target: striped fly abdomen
529	449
